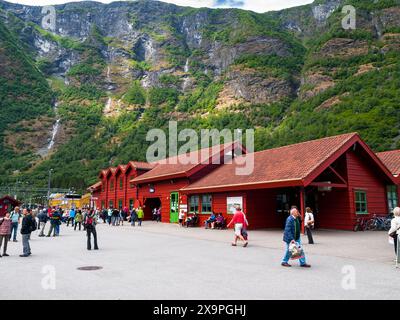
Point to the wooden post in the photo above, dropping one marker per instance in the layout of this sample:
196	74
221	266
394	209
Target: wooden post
302	207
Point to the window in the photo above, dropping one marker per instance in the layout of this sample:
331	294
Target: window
194	204
103	204
392	197
361	202
282	204
131	202
131	185
112	185
121	183
206	202
111	204
120	203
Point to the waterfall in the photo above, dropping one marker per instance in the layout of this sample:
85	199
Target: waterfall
186	68
56	127
186	80
44	151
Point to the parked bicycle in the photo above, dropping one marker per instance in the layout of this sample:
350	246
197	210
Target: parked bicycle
379	223
361	224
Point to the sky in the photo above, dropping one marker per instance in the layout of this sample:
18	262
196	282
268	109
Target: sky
254	5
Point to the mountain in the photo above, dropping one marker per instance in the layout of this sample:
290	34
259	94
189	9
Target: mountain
82	96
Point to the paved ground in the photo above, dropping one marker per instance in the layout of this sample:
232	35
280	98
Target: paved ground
163	261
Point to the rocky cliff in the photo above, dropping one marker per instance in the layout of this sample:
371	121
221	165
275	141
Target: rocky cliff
118	69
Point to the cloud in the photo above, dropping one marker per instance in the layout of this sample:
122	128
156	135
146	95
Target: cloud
229	3
254	5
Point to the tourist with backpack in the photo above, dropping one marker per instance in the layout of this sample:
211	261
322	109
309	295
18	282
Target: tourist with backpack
90	226
240	223
15	220
27	227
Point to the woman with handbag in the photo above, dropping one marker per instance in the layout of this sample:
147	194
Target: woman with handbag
395	227
240	223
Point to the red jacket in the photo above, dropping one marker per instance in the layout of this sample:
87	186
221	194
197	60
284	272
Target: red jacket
239	217
5	227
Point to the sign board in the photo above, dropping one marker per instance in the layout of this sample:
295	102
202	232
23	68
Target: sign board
232	202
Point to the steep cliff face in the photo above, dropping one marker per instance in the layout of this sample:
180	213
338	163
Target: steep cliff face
117	70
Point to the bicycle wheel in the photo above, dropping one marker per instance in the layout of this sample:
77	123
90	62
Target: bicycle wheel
370	225
387	224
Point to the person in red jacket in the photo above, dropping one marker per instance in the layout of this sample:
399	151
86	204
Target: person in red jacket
5	231
240	223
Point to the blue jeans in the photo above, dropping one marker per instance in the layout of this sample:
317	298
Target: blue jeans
14	227
25	244
286	257
57	229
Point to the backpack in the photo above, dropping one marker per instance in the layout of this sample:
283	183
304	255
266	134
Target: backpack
89	220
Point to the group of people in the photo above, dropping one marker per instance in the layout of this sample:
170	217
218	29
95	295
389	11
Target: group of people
37	219
116	217
215	221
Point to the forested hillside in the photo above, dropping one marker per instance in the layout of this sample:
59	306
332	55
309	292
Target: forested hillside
115	71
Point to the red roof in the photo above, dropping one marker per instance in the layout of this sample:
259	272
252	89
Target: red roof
297	164
175	167
391	159
95	186
12	200
142	165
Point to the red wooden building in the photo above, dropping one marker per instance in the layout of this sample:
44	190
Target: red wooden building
114	189
339	177
7	204
160	187
392	161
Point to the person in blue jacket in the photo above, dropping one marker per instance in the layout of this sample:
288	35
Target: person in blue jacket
292	234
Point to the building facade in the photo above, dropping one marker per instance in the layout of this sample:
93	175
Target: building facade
339	177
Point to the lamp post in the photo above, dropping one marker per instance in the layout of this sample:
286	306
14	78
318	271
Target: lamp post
48	186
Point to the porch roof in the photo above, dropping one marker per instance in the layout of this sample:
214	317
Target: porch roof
293	165
391	159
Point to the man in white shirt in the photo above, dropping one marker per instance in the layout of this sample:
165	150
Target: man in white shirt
309	224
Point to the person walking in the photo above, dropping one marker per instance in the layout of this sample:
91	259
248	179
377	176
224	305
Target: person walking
71	217
181	217
140	216
43	218
27	227
240	223
394	230
133	217
15	220
115	215
90	224
309	224
5	230
78	220
55	220
109	215
291	235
